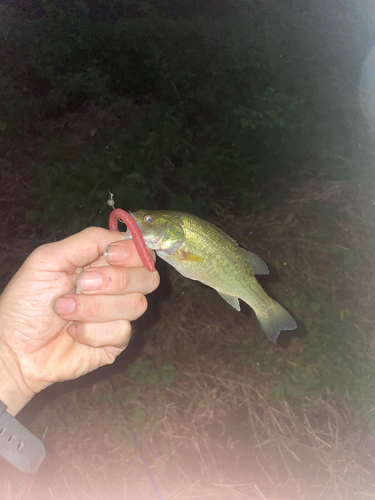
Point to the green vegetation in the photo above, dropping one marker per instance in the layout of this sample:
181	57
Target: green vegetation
208	107
333	359
331	363
141	371
154	381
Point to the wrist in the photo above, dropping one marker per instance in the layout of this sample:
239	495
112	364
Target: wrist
14	392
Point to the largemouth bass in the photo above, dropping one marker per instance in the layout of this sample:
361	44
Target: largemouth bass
201	251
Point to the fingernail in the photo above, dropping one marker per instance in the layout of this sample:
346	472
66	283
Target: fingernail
89	280
64	305
116	253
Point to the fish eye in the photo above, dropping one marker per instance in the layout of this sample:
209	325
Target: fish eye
148	218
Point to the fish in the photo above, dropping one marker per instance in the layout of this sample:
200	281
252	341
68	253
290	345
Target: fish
201	251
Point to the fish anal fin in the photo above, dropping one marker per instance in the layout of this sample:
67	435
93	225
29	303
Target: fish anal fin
257	264
231	299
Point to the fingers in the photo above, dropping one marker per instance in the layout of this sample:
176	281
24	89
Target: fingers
113	333
124	253
100	308
117	280
76	251
83	248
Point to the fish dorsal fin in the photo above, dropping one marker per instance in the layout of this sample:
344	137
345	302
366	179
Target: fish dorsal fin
233	301
231	239
258	265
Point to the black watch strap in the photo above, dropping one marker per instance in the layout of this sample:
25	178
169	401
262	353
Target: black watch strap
18	445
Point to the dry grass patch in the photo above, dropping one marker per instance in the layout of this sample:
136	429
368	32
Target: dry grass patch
213	430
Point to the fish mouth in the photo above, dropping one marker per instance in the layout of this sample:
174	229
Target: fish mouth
135	220
155	244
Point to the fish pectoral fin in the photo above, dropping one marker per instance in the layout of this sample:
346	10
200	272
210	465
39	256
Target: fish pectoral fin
258	265
191	257
231	299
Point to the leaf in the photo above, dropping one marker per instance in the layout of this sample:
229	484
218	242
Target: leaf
278	391
140	371
315	306
150	139
156	423
168	373
113	167
298	301
155	426
159	395
308	323
271	361
139	415
136	176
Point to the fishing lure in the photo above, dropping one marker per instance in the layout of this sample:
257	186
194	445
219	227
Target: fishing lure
140	245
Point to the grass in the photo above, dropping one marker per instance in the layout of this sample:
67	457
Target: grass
234	416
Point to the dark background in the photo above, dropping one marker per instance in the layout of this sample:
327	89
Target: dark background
258	116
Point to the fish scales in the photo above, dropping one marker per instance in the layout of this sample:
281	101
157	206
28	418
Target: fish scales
224	267
201	251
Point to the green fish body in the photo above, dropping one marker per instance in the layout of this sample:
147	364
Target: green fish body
201	251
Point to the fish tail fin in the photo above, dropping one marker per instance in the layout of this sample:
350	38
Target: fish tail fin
274	319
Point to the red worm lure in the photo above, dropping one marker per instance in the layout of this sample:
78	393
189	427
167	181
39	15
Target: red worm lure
139	242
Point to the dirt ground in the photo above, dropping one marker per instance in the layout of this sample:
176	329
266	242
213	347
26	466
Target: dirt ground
191	395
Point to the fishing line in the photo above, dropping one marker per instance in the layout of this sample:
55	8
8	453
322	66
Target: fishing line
137	445
111	203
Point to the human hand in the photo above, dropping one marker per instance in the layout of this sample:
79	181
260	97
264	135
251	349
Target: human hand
67	311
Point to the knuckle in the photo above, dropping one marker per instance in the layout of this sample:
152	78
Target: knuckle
89	307
88	334
40	252
123	279
93	232
156	279
110	359
125	329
